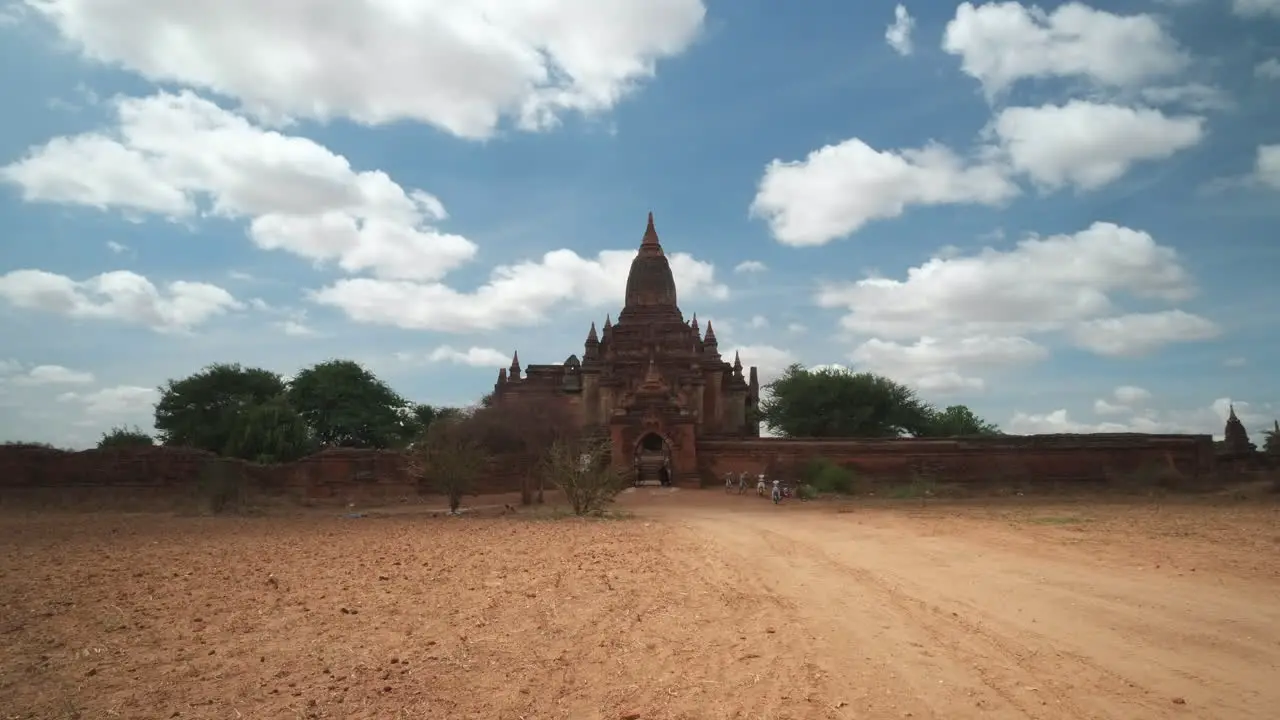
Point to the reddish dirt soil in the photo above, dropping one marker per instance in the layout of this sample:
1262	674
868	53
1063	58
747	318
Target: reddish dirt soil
700	605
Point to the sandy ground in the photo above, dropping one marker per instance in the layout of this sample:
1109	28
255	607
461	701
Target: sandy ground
700	606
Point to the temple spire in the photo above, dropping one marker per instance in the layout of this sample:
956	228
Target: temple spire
711	335
650	235
592	337
514	370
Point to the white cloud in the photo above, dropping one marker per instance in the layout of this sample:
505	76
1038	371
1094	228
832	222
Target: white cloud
898	34
51	375
515	295
1268	69
1207	420
114	402
759	322
1088	144
473	356
116	247
1256	8
172	151
1130	395
1267	167
1194	96
839	188
1235	362
1001	43
1043	284
1124	401
796	328
750	266
118	295
461	66
944	366
294	328
1138	334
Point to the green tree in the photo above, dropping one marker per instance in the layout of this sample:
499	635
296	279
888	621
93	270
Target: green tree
958	420
125	437
345	405
201	410
270	432
416	418
836	403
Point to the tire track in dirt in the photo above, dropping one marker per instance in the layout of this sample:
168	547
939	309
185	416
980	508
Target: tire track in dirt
965	675
990	625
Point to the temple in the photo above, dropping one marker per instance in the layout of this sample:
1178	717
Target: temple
653	381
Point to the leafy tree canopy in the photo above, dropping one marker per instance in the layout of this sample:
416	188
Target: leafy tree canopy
831	403
270	432
125	437
958	420
201	410
345	405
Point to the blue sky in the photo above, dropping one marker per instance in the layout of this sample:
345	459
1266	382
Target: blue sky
1062	216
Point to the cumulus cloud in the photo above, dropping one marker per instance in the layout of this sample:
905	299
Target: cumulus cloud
113	403
1136	334
118	295
839	188
171	152
945	365
1042	284
1123	401
473	356
750	266
515	295
49	375
1089	144
898	34
1268	69
1002	43
460	66
957	315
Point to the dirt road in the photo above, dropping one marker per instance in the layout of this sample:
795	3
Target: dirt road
930	615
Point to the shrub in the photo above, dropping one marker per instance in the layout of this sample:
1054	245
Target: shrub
450	458
125	437
582	469
825	476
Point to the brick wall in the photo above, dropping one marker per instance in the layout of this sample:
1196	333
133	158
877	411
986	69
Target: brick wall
1022	458
362	477
366	477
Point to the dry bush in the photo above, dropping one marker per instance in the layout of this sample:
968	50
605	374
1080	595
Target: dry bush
583	470
450	458
524	429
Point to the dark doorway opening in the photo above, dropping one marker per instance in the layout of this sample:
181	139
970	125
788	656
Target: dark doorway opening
653	461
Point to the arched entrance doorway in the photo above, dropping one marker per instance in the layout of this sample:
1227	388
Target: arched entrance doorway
653	460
